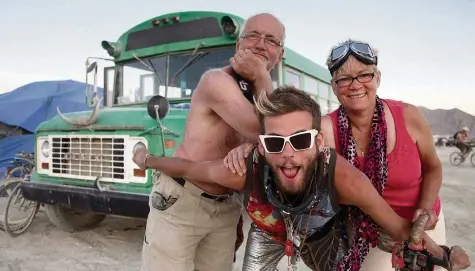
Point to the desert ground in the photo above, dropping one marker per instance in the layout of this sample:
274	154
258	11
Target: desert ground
116	244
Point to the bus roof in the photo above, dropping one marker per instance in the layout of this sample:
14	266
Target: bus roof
143	34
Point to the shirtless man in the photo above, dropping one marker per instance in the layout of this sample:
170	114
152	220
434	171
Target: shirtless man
192	224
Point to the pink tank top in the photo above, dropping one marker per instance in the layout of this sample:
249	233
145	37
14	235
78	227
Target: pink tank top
403	187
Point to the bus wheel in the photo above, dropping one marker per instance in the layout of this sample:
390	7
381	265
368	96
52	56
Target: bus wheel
71	220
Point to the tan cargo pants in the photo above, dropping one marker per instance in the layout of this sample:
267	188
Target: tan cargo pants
186	231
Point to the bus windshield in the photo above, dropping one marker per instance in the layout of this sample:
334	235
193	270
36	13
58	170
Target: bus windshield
173	76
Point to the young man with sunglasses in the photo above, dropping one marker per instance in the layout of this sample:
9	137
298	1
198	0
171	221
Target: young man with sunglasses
192	224
295	191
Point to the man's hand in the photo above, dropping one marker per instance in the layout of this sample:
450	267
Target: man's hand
236	158
433	218
248	65
139	157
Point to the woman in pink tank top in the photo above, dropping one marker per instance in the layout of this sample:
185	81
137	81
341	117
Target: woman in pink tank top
390	141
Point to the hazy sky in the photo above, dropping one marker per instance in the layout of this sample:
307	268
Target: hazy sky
426	47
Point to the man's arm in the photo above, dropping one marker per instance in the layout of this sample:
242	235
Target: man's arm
263	83
208	171
431	166
354	188
218	91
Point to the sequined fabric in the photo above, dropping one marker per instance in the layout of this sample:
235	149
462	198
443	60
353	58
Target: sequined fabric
262	252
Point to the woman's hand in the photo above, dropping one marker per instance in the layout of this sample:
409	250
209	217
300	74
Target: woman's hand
433	218
236	158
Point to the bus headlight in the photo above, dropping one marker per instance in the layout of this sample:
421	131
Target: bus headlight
45	148
139	145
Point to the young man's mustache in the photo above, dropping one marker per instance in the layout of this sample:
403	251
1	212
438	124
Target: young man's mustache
288	162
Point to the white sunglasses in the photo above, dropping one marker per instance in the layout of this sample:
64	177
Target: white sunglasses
299	142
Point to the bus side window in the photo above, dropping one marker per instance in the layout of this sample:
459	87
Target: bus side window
292	77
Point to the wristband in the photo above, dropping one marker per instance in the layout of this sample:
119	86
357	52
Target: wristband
145	160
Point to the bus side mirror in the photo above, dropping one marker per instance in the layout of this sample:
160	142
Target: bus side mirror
90	101
91	67
158	106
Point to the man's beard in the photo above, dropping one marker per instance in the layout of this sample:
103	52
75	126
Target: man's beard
295	193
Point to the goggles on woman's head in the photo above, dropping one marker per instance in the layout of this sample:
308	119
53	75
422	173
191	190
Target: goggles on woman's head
361	51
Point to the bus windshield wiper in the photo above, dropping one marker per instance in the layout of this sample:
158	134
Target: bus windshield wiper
149	67
192	60
194	56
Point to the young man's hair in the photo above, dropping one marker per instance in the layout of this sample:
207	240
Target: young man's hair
284	100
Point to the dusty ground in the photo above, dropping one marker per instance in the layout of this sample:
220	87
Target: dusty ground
116	244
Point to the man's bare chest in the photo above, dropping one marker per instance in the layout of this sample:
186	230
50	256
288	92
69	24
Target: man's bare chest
211	137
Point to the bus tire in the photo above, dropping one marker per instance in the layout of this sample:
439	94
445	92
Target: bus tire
71	220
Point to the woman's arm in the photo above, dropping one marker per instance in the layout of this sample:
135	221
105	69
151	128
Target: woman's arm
419	129
327	130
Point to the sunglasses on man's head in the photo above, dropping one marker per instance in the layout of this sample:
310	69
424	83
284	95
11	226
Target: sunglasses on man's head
299	142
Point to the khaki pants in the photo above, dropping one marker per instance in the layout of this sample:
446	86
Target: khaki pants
191	233
378	260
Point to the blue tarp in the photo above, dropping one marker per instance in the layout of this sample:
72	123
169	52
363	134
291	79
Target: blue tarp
181	106
11	145
32	104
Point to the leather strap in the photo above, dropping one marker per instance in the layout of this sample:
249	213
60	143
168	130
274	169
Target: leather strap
249	182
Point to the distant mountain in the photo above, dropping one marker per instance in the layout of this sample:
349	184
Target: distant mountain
446	122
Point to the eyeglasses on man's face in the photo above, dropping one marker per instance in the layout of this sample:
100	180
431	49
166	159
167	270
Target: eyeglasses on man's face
255	37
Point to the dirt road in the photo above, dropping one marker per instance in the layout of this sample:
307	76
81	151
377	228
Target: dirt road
116	244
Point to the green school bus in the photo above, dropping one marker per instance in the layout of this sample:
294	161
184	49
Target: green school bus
84	169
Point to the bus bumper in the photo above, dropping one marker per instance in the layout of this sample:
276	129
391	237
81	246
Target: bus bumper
87	199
